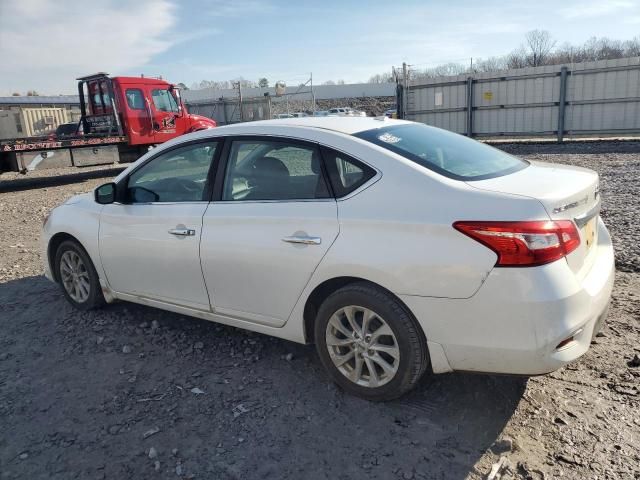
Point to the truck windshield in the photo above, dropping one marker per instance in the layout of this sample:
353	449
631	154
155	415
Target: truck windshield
164	101
444	152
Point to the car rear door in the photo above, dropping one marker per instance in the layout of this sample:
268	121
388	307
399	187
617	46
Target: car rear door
149	244
272	220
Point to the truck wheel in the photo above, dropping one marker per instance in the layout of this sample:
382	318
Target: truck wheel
369	343
78	277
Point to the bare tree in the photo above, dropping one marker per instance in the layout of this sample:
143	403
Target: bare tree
540	45
491	64
632	47
381	78
445	70
328	82
517	59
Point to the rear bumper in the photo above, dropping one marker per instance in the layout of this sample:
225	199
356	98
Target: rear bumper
516	320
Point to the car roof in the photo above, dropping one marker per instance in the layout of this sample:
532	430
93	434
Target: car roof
347	125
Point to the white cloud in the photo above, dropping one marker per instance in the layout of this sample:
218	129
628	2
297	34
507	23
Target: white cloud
597	8
44	46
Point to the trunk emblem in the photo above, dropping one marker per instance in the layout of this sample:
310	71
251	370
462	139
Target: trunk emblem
571	205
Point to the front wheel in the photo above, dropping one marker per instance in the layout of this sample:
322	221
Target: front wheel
369	344
78	277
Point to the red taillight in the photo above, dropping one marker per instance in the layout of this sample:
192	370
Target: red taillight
524	244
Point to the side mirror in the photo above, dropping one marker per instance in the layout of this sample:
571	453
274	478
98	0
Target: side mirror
106	193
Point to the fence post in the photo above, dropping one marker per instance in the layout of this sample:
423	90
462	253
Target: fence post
405	89
469	106
399	100
562	102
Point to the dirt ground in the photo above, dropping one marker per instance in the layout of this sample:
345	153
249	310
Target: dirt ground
131	392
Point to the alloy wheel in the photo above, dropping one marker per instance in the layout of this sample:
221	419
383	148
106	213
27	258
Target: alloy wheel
362	346
75	276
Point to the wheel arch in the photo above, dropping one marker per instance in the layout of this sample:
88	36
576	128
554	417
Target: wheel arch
54	243
323	290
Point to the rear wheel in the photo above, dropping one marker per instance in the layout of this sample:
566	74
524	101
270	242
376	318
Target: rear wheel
369	344
78	277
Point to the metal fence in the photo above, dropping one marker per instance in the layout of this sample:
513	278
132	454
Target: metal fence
593	98
232	110
320	92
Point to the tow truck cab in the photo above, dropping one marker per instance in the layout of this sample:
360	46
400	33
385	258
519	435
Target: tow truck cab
146	110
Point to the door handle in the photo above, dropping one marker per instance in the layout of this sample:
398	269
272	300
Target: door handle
182	232
303	240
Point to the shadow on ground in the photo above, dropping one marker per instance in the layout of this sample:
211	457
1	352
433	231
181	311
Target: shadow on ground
73	405
29	183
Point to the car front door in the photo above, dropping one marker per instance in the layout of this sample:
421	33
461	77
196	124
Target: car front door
272	220
149	244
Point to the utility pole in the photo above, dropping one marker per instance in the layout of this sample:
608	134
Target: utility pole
313	96
405	89
237	84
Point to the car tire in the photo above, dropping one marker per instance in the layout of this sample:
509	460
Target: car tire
386	357
78	277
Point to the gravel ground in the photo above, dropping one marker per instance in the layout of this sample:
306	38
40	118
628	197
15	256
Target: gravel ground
135	392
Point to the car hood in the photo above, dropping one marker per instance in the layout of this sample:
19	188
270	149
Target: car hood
79	198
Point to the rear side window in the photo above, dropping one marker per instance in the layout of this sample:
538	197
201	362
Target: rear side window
346	173
135	99
447	153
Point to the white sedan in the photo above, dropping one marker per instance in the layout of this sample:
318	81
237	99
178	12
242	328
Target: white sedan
395	247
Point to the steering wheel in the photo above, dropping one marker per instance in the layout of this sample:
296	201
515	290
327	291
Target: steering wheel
188	188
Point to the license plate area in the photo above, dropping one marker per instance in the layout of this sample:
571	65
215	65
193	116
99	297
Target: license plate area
589	233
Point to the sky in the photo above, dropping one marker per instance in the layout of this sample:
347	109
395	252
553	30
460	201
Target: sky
46	44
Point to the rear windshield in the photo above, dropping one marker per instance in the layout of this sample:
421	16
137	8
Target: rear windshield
447	153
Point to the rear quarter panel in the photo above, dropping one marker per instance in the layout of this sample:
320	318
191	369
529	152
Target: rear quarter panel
398	232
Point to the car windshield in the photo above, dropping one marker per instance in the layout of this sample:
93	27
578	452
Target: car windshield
447	153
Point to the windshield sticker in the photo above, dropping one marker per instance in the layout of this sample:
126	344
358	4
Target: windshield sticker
389	138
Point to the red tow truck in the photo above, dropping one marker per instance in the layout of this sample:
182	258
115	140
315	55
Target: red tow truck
121	118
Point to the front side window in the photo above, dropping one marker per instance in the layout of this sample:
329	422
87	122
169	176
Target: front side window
447	153
179	175
164	101
268	170
135	100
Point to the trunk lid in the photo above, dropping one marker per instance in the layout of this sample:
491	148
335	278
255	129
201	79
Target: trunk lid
566	192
